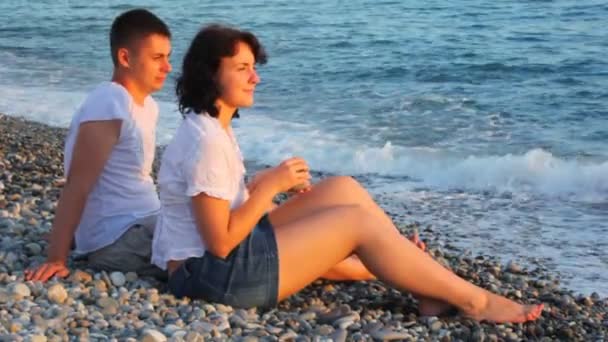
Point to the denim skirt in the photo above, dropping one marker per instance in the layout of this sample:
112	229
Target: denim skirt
248	277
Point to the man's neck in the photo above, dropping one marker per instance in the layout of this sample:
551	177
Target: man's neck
136	93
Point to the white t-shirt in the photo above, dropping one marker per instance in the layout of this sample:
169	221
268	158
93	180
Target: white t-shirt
124	193
201	158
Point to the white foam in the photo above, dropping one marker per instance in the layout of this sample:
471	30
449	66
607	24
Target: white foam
536	171
56	107
53	107
267	140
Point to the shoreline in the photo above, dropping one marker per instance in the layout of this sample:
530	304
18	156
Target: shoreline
94	305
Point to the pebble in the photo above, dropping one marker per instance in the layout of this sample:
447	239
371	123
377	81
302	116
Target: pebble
19	291
290	335
80	276
436	326
131	277
118	279
153	336
57	294
33	248
513	267
385	334
109	305
38	338
116	306
339	335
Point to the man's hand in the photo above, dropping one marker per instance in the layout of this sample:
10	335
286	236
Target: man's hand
47	270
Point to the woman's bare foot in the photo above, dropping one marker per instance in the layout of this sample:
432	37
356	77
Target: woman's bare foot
498	309
428	306
432	307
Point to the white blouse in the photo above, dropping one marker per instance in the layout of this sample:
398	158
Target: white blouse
201	158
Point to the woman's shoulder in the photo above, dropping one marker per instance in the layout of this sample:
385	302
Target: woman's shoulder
206	127
197	134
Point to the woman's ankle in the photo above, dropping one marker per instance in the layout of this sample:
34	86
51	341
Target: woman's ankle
475	305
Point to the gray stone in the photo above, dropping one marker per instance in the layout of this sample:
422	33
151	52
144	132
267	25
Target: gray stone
436	326
290	335
152	335
333	315
170	329
513	267
131	277
4	296
308	316
386	334
57	294
339	335
203	327
19	291
118	278
223	308
109	305
237	321
193	336
33	248
38	338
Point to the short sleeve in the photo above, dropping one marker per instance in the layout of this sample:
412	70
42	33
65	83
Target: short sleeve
107	102
207	171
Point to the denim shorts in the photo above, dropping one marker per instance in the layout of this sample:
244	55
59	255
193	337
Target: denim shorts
248	277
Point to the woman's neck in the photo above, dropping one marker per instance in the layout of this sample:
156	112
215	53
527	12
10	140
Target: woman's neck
225	114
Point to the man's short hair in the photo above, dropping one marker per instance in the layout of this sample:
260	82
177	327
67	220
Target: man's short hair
133	26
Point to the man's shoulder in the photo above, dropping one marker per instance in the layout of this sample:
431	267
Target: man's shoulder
108	92
107	101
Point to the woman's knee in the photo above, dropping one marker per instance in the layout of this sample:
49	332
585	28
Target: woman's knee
360	219
347	185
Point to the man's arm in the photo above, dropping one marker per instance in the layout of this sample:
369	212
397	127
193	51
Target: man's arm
93	147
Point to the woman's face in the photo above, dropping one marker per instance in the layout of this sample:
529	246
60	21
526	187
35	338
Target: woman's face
237	78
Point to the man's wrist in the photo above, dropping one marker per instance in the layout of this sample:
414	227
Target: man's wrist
56	259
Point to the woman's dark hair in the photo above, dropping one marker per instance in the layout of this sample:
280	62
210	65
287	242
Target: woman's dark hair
197	88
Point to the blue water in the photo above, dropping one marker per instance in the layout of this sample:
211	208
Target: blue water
486	120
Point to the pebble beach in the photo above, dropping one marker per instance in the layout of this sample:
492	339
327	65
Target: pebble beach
100	306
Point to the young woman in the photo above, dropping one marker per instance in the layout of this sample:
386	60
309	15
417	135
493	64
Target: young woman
221	240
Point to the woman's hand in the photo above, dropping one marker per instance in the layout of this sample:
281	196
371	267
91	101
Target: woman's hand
290	174
256	179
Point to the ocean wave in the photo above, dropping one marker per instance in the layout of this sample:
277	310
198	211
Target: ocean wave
329	148
534	171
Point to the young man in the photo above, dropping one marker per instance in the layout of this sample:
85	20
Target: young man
109	202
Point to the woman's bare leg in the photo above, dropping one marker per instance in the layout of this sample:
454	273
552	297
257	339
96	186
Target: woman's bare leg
311	246
349	269
336	191
330	192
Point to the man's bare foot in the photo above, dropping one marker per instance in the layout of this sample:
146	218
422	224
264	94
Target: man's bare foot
432	307
499	309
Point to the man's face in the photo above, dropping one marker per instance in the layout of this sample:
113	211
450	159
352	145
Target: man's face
149	62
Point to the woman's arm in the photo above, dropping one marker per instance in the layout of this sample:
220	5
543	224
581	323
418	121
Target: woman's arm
223	229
